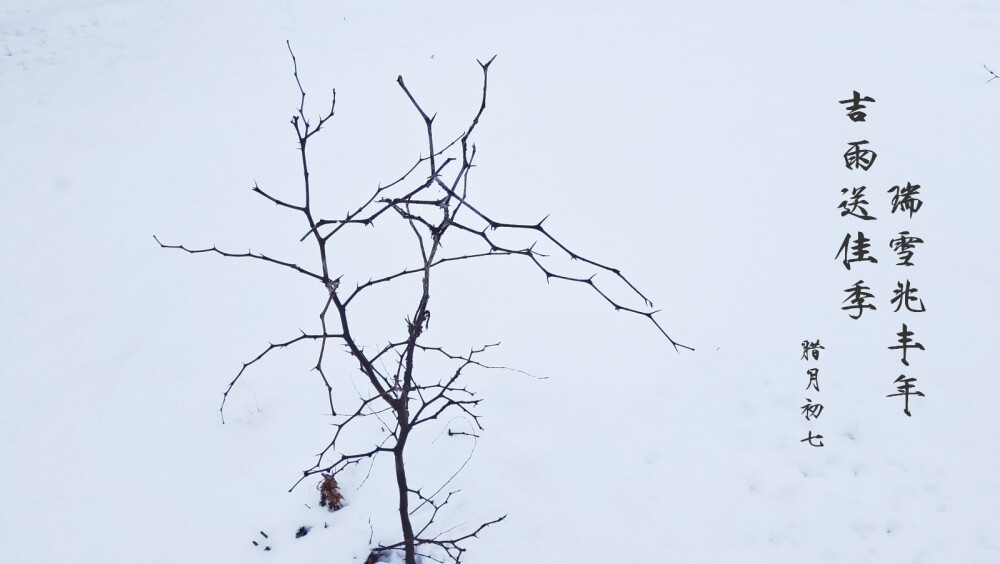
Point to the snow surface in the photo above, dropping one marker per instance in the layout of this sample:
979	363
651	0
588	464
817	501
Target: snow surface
694	145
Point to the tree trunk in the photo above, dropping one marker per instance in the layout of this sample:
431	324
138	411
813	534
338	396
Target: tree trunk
404	493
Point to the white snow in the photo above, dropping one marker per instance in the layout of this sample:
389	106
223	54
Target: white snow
696	146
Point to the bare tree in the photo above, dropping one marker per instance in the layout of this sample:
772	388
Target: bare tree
400	398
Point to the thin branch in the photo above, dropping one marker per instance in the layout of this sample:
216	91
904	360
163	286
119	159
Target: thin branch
247	254
257	189
271	347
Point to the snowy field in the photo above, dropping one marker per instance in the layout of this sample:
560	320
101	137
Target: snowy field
697	146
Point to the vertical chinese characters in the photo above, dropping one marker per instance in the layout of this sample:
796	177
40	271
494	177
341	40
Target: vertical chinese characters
812	410
855	250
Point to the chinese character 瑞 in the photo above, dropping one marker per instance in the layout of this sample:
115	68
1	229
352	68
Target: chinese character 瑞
904	200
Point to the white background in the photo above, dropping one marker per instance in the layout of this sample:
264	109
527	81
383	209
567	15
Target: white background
696	146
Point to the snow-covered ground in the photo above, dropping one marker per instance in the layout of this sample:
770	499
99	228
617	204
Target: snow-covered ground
696	146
